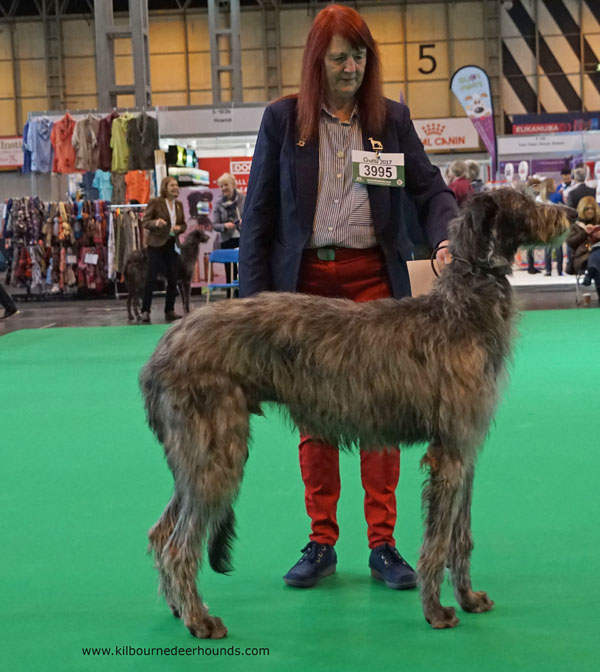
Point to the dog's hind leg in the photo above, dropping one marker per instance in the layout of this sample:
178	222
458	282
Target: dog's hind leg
440	501
461	545
158	537
206	450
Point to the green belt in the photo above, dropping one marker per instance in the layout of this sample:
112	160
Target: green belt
326	254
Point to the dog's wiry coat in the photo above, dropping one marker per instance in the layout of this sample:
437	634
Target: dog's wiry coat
379	373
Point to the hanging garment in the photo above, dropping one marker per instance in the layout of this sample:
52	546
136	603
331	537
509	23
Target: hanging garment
111	247
142	138
138	186
61	138
118	183
90	191
104	147
38	270
118	142
85	142
102	182
26	168
40	131
24	266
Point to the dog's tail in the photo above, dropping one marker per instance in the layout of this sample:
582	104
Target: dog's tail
220	543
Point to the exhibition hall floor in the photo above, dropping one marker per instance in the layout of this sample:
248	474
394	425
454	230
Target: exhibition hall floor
84	479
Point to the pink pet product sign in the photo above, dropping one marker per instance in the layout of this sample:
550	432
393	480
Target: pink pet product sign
471	86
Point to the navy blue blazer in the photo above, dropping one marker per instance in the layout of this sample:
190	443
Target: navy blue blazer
278	215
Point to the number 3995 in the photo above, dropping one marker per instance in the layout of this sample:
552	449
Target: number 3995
370	170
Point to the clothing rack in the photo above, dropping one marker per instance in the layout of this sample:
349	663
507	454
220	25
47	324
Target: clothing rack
128	205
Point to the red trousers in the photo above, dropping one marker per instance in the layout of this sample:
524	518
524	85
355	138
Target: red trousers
359	275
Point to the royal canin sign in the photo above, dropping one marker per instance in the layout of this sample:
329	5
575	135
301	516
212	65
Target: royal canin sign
441	135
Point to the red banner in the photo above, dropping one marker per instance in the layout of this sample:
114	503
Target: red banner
238	166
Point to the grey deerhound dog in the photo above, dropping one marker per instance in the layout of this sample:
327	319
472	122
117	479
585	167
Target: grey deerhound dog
374	374
136	268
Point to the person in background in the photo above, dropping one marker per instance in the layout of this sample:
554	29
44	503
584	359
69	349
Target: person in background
7	303
566	182
580	189
309	227
474	172
164	221
227	219
533	184
459	181
547	188
584	240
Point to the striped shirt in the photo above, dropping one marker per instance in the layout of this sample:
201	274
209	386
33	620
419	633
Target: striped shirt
343	213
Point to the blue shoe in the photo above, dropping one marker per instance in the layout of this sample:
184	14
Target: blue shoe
389	566
317	561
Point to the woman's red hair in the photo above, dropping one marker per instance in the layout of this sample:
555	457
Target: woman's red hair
349	24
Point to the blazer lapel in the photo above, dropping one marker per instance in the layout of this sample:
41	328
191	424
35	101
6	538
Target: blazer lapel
379	197
307	181
164	210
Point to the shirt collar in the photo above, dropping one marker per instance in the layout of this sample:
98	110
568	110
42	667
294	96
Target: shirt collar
353	116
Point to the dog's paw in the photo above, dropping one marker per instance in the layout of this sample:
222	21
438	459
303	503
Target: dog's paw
442	617
476	602
210	627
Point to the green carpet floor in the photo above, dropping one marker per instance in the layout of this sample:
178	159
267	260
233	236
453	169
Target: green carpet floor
83	479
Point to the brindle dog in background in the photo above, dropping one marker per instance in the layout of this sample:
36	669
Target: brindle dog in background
136	269
380	373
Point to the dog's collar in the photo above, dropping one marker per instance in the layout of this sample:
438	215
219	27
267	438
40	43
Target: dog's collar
481	269
474	268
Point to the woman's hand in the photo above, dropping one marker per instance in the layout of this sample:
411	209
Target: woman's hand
443	255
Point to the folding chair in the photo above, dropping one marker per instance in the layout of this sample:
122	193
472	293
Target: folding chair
221	257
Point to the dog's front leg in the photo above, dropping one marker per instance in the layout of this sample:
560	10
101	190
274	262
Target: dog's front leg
129	305
461	545
440	500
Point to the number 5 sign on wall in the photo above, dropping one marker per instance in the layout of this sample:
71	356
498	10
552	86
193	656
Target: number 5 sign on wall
427	61
425	55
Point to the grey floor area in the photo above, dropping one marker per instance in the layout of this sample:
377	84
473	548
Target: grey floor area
53	312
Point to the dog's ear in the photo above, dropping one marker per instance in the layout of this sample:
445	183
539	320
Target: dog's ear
469	233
